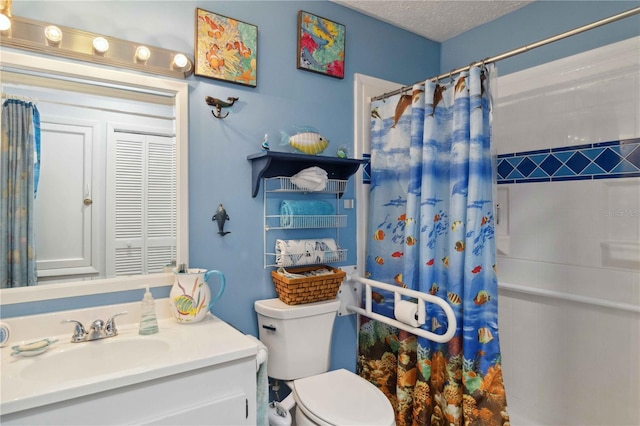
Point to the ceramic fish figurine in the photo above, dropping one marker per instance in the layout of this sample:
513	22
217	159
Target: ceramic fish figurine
307	141
221	217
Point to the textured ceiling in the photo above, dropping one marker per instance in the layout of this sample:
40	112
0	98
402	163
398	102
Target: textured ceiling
437	20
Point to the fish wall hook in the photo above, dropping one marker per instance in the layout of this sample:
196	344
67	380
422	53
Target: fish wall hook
219	104
221	217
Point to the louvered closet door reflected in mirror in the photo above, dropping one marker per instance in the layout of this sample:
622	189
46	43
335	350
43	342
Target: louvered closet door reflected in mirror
141	202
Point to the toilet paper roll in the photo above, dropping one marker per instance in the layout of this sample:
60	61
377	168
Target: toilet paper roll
407	312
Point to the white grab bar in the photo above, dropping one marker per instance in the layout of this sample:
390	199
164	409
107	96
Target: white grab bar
569	297
422	298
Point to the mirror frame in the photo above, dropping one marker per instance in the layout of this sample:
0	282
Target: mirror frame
179	90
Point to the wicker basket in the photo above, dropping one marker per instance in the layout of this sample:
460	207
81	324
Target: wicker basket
295	291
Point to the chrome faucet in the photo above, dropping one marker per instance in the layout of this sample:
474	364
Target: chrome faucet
98	330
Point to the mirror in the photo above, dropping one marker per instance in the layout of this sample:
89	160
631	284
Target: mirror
133	88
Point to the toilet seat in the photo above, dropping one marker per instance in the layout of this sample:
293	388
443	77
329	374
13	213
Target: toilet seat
340	397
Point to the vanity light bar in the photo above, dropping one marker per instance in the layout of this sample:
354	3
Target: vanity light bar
53	35
5	15
100	45
42	37
143	54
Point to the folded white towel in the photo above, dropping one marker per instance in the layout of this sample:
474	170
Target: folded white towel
306	252
312	179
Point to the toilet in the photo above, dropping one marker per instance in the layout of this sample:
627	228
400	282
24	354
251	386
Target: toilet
298	338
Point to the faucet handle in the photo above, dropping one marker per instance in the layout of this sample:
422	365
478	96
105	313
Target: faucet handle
79	333
110	328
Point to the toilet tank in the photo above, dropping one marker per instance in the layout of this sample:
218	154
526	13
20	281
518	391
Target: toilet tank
298	337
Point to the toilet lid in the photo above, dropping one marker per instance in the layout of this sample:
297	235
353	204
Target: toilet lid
342	398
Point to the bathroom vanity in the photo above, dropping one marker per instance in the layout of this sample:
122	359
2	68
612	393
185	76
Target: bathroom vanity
203	373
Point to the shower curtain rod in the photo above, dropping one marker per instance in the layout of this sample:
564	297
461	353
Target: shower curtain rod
18	97
519	50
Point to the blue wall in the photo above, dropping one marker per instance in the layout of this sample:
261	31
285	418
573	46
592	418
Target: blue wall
535	22
285	96
218	169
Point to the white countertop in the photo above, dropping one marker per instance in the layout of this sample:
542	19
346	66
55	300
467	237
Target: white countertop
191	346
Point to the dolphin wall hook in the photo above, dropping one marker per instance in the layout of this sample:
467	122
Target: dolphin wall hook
221	217
219	104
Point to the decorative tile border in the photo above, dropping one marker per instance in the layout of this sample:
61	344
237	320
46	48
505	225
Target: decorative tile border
366	169
604	160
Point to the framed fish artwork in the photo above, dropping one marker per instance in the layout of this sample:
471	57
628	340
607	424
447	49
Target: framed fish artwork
321	45
226	49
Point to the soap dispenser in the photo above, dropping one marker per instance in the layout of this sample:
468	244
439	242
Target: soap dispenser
148	320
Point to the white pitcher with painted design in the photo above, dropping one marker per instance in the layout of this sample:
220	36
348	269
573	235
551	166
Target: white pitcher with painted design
190	297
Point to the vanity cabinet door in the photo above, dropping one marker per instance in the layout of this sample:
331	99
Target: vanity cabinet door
224	394
221	396
227	410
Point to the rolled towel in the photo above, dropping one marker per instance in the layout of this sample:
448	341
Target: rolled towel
292	210
305	252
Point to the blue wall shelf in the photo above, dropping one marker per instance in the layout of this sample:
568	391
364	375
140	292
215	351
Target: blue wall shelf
273	164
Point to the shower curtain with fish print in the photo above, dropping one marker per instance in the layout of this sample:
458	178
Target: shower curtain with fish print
432	230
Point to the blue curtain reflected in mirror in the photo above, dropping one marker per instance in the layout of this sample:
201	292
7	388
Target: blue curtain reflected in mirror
19	170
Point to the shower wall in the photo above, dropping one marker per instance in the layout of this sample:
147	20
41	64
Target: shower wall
569	238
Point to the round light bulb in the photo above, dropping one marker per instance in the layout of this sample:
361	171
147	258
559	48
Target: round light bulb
53	34
100	44
5	22
180	60
143	53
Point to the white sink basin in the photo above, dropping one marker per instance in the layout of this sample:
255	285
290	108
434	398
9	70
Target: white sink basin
70	370
98	357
